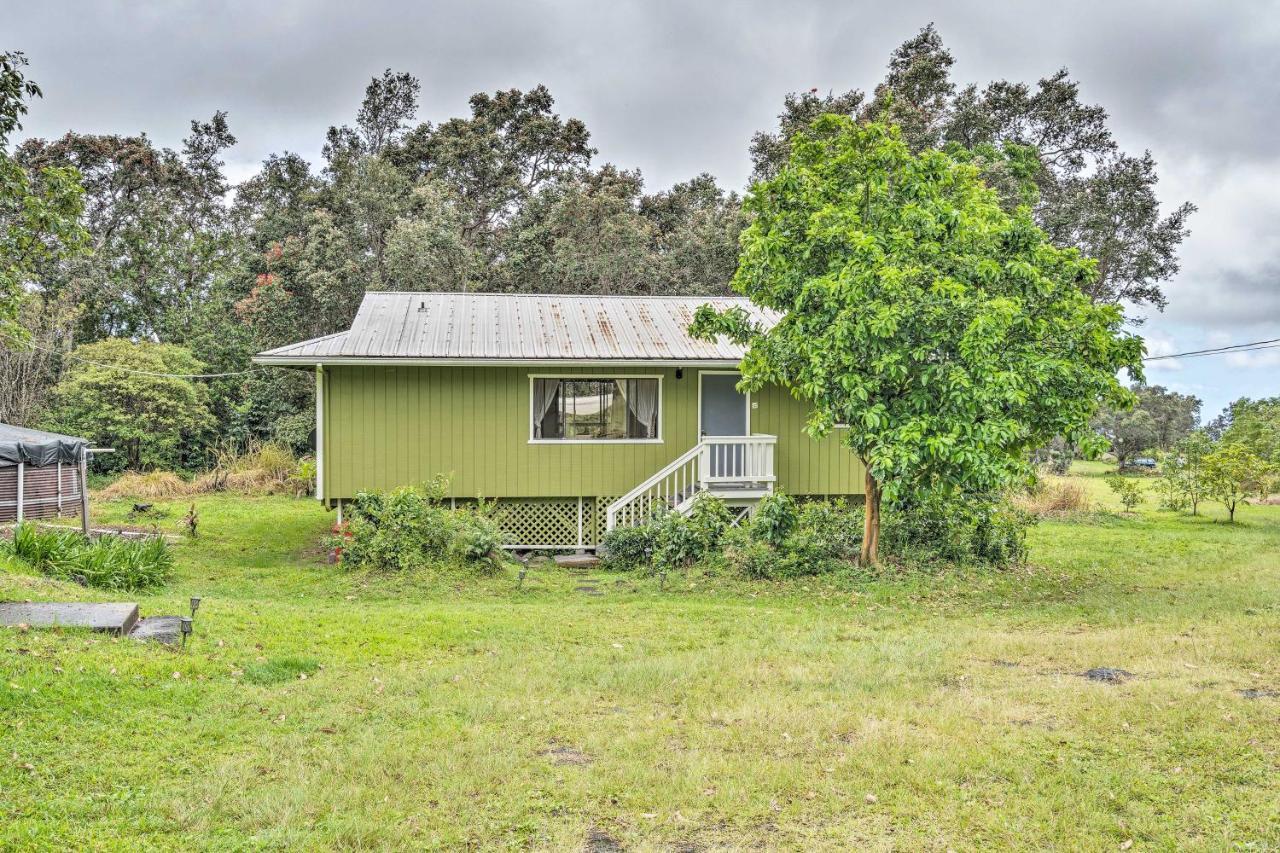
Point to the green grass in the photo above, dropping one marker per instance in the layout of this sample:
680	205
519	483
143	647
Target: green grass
447	712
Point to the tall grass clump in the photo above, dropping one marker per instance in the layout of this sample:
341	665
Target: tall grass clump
106	562
1049	498
150	485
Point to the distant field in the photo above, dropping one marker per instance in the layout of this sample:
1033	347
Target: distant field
913	712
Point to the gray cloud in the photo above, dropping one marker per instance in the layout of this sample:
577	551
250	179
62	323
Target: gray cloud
677	88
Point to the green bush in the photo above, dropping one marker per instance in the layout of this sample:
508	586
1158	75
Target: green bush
679	544
774	519
410	528
826	536
475	536
106	562
1128	490
955	529
709	518
749	556
627	548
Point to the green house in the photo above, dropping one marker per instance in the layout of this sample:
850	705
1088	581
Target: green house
573	413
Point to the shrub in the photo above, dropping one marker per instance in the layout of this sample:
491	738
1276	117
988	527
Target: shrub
1127	490
395	531
474	536
827	534
679	544
956	528
409	528
107	562
709	518
749	556
627	548
774	519
1000	535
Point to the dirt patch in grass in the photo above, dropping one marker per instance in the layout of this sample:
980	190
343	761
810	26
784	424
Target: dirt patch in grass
563	754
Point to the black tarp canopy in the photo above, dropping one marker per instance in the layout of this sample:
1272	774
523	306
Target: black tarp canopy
35	447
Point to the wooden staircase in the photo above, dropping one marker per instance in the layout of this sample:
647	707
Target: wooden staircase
738	469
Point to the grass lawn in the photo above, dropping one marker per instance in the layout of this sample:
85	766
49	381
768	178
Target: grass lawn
917	712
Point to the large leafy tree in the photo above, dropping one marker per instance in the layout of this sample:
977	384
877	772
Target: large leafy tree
133	397
39	207
1129	432
160	234
1255	424
1175	415
948	334
1091	195
1233	473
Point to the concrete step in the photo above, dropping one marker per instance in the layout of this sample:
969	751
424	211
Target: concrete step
116	618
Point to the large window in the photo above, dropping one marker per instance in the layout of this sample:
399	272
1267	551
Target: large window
595	409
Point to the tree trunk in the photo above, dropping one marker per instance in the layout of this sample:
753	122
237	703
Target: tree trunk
1231	513
871	524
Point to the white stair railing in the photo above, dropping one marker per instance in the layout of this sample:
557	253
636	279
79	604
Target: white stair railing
716	463
665	490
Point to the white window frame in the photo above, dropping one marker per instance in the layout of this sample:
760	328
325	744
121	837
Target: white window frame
662	408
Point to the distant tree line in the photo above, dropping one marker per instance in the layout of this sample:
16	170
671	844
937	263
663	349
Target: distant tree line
154	245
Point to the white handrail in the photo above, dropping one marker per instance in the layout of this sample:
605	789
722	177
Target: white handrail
715	459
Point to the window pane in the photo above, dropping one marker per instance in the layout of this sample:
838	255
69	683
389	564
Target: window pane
595	409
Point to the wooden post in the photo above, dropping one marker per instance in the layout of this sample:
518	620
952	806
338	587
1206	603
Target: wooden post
21	470
581	541
84	492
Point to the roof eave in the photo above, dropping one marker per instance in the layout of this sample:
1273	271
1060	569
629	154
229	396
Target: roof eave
391	361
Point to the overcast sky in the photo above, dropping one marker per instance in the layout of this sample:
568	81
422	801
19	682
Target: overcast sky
677	88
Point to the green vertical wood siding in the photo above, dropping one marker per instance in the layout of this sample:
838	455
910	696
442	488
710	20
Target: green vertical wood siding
391	426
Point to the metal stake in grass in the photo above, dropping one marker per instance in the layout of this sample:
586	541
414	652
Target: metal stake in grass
195	605
186	628
524	570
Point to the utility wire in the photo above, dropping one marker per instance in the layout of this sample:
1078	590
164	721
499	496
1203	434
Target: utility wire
1246	347
132	370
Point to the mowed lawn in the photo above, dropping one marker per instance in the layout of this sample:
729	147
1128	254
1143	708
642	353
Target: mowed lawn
916	712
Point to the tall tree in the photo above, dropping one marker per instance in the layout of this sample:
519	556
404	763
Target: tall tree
158	227
950	336
1175	415
1091	196
39	207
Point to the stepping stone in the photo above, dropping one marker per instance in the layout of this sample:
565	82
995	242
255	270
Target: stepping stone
162	629
1259	693
118	618
1108	674
577	561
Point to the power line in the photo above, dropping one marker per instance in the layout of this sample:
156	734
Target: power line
136	372
1231	348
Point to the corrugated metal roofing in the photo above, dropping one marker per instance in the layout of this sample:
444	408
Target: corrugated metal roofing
504	326
329	345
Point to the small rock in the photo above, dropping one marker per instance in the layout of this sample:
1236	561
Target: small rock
1108	674
1258	693
871	799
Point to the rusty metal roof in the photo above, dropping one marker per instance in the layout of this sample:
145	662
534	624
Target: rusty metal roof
521	327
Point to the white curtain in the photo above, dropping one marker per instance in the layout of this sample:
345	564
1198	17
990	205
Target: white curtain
544	395
642	401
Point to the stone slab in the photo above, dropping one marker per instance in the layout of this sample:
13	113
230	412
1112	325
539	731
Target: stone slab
162	629
118	617
577	561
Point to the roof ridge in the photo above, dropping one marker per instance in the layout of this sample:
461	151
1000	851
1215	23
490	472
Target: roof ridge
550	295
